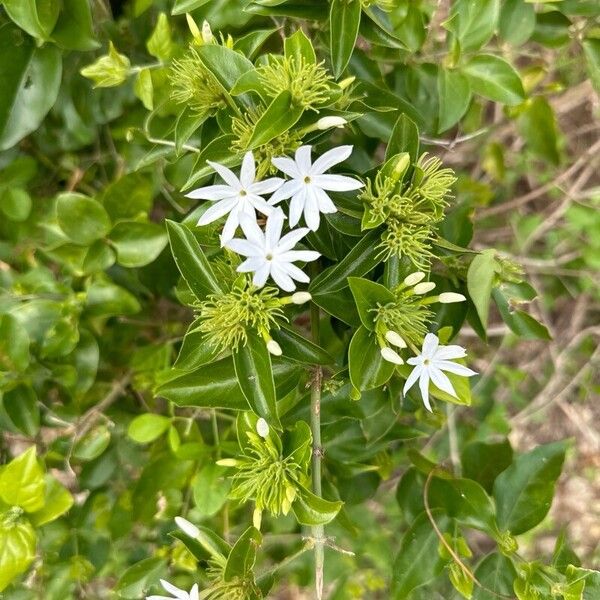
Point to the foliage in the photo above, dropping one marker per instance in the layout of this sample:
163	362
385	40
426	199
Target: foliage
145	372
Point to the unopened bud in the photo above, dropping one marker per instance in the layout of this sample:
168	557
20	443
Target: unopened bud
187	527
401	165
395	339
328	122
301	297
196	34
414	278
257	518
450	298
274	348
207	34
344	83
227	462
262	428
423	288
391	356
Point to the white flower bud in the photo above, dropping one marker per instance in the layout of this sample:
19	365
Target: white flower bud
262	428
227	462
391	356
207	34
257	518
395	339
450	298
187	527
301	297
423	288
414	278
328	122
274	348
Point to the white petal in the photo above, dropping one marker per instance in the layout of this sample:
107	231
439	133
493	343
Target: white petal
281	278
330	158
424	387
303	160
217	210
415	360
412	378
290	239
254	263
301	255
273	229
251	230
212	192
267	186
159	597
336	183
227	175
449	352
294	272
261	275
326	205
231	225
195	592
248	172
441	380
297	206
287	165
287	190
245	248
260	204
430	344
312	216
187	527
456	368
175	591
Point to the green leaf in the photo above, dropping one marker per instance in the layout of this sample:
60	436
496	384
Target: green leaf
17	551
104	298
92	444
344	23
367	368
185	6
210	489
14	344
298	348
404	138
147	428
30	84
520	322
191	261
367	295
22	482
136	580
537	124
524	491
454	97
144	88
58	501
473	22
74	29
281	115
242	557
15	203
484	461
188	122
591	49
82	219
194	351
225	64
517	21
36	17
312	510
206	545
418	561
494	78
300	47
160	43
137	244
128	197
109	70
253	369
480	279
21	405
496	574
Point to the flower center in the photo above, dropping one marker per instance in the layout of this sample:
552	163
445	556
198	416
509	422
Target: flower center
269	256
426	361
307	179
243	193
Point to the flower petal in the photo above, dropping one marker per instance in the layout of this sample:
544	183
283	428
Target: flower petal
217	210
456	368
251	230
297	206
430	344
301	255
247	172
412	378
231	225
259	203
245	248
287	165
195	592
281	278
273	229
252	264
312	216
227	175
267	186
290	239
303	160
336	183
441	380
424	387
326	205
261	275
212	192
175	591
449	352
330	158
294	272
287	190
159	597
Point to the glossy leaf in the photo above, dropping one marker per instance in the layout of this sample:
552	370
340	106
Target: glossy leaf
36	17
368	295
517	21
473	22
496	574
298	348
136	580
494	78
484	461
344	23
454	97
242	557
404	138
14	344
300	47
480	279
367	368
21	405
57	502
17	551
74	29
82	219
312	510
22	482
137	244
148	427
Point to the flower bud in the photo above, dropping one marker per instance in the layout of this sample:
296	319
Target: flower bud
450	298
187	527
257	518
196	34
207	34
414	278
391	356
274	348
346	82
401	165
395	339
423	288
262	428
301	297
328	122
227	462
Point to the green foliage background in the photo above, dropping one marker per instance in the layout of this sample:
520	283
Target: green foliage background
105	438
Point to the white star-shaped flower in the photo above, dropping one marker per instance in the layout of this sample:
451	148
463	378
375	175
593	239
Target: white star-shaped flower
431	364
270	255
238	196
176	593
308	184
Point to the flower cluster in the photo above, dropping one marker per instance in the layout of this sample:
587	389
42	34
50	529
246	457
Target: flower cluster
268	253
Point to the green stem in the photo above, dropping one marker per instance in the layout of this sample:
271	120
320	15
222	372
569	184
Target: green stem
317	453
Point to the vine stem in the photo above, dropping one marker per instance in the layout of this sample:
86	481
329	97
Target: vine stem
317	453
